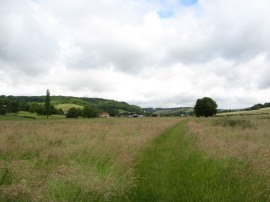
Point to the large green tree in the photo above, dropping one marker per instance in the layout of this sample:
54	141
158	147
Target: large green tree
90	111
205	107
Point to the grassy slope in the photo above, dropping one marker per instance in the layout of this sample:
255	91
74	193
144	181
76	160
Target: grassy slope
66	107
173	169
174	110
251	112
23	115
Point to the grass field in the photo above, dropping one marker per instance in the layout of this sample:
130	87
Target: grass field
23	115
262	111
207	160
66	107
148	159
72	160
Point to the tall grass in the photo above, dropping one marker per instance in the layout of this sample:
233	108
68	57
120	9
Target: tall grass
128	160
175	169
72	160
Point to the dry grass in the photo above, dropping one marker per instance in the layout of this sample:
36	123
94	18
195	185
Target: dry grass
91	159
250	144
262	111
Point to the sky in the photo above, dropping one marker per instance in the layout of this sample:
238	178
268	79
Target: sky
151	53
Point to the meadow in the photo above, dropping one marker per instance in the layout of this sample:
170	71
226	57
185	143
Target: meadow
136	159
72	160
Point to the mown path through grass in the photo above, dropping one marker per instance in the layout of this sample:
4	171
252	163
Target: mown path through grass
173	169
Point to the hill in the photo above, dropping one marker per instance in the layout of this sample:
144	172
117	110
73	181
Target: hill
254	110
66	107
24	103
260	111
177	111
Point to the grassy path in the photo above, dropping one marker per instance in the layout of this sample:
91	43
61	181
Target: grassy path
173	169
158	168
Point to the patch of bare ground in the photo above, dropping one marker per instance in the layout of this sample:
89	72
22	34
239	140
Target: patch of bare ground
250	144
40	159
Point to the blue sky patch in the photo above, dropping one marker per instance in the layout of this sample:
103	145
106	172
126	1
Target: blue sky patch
189	2
165	14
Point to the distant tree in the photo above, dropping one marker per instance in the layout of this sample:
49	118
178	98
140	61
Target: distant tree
79	112
60	111
73	113
23	106
267	104
113	112
256	107
205	107
48	103
13	106
2	110
89	111
33	107
41	110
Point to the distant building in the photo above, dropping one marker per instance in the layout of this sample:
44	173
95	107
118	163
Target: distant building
135	116
155	115
105	115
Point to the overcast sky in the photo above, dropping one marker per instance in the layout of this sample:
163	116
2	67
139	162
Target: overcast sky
153	53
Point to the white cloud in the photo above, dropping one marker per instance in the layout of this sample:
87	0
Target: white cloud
126	50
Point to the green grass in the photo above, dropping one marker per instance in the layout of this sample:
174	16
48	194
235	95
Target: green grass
173	169
174	110
242	123
23	115
262	111
66	107
72	160
125	159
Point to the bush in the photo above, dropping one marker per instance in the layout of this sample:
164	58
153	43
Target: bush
90	111
234	123
2	111
73	113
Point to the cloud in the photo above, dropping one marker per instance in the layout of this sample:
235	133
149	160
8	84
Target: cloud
152	53
26	41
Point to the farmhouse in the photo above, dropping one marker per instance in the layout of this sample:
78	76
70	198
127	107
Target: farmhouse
105	115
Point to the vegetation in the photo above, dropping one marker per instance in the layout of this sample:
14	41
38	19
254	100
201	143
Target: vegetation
66	107
90	111
39	105
261	111
214	159
176	168
169	112
47	103
259	106
225	158
73	160
205	107
74	113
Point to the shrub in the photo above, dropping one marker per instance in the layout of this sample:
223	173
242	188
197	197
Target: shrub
234	123
73	113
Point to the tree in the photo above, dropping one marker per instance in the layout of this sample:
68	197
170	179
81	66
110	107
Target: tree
2	110
33	107
13	106
205	107
47	102
41	110
72	113
90	111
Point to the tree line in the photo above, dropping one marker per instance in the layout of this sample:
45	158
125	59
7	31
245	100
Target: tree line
37	104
